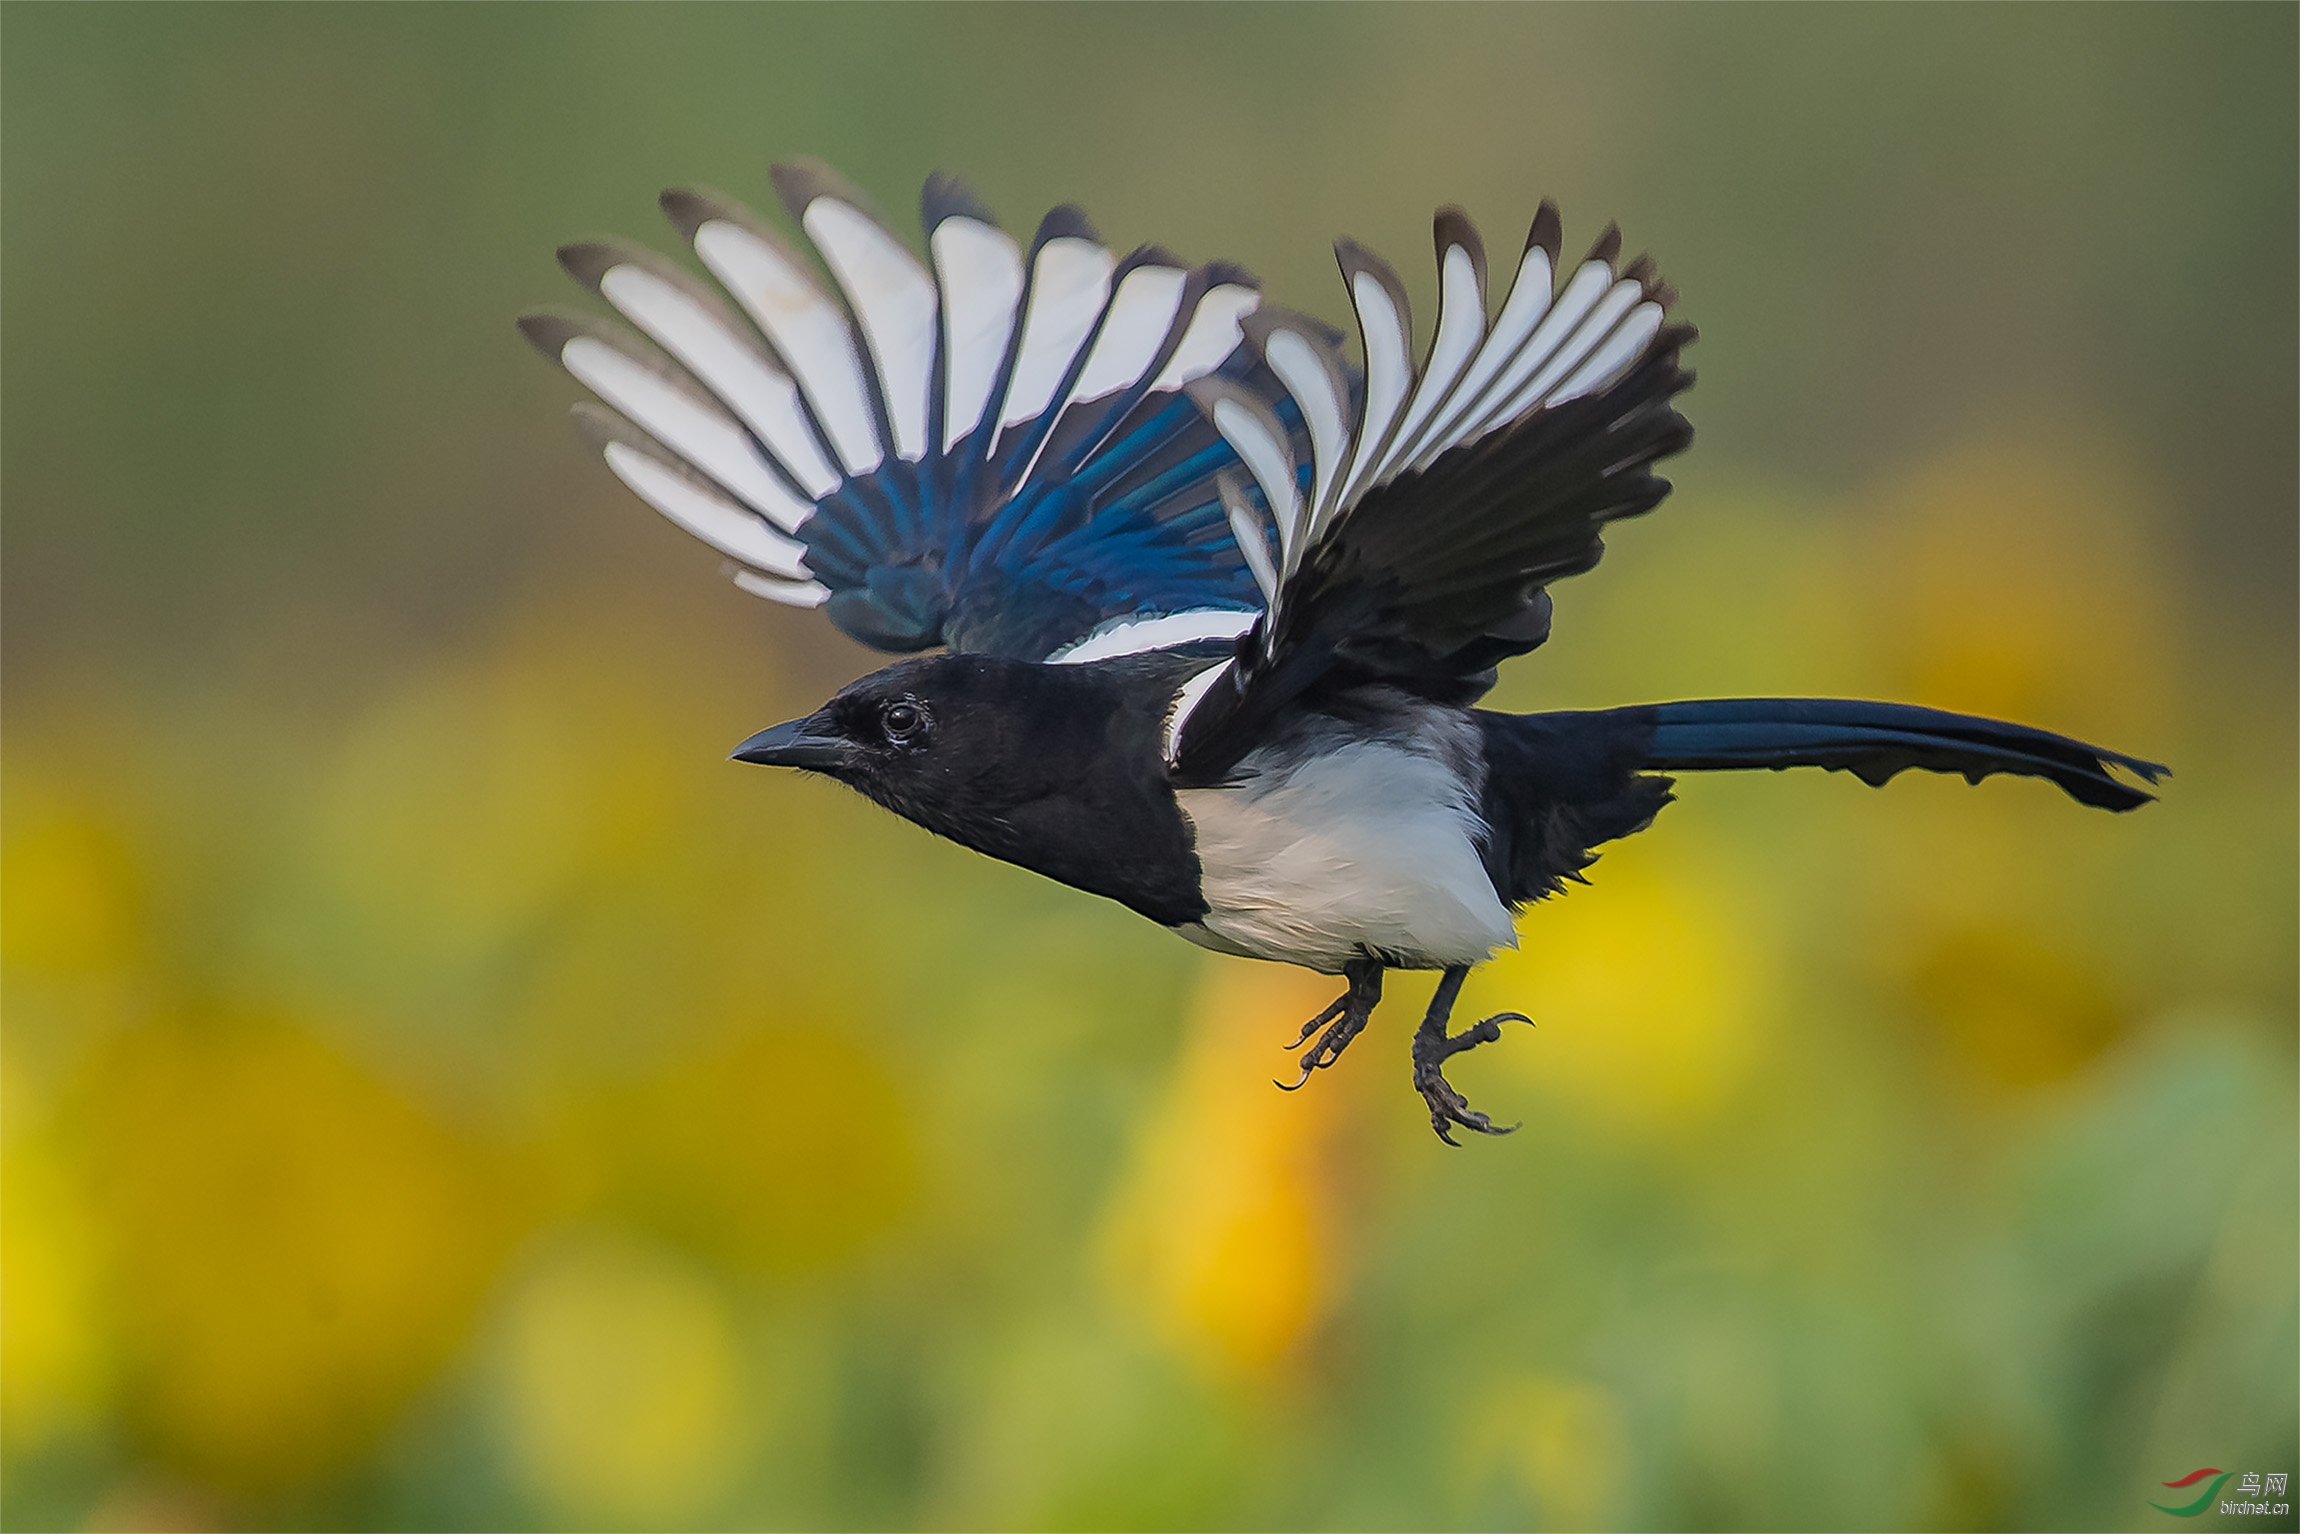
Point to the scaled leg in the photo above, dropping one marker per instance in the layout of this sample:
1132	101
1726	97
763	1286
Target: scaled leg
1433	1047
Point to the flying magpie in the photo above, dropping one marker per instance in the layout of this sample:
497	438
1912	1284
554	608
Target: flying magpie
1214	603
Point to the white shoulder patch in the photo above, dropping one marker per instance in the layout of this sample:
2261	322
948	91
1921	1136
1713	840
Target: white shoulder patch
1186	701
1135	636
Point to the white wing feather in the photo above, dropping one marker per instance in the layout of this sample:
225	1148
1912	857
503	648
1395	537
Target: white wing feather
1543	349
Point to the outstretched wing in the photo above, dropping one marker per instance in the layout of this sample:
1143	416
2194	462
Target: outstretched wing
1441	499
989	449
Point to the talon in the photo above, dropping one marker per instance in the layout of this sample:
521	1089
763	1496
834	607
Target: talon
1320	1021
1486	1126
1342	1022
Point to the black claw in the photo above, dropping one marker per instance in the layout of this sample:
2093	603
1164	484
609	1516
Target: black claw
1448	1107
1433	1046
1320	1021
1342	1022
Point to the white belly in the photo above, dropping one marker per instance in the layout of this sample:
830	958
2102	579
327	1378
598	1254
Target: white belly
1368	849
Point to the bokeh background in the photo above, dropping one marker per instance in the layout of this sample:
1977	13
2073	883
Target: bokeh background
441	1091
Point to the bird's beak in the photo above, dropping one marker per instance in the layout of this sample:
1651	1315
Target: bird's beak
797	743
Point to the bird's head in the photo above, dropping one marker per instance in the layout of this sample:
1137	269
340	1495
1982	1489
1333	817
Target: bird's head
952	741
1057	768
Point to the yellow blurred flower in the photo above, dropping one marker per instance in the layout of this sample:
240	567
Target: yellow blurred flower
2013	579
1224	1235
295	1246
73	893
1561	1441
1649	989
2009	1008
54	1347
621	1388
466	806
784	1150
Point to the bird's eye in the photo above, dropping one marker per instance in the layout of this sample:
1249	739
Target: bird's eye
903	721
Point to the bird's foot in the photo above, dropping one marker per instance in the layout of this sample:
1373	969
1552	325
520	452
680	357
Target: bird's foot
1342	1022
1433	1047
1320	1021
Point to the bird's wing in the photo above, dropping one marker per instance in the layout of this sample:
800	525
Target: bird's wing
988	449
1440	500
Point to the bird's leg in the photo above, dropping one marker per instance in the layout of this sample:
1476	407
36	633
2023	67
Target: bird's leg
1355	1007
1433	1047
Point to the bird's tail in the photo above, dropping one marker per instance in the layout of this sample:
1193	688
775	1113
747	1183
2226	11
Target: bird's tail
1875	740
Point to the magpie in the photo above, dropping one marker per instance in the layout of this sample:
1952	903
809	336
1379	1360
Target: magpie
1213	605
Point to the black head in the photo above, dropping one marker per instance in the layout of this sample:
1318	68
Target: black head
951	735
1033	763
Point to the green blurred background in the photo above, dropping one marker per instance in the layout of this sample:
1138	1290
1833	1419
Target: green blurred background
442	1091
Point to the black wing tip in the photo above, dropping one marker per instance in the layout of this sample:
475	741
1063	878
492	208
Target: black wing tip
1354	258
1207	389
1608	246
1654	288
603	428
1065	221
801	180
1211	389
589	261
1268	317
1221	274
690	208
1452	226
1148	255
1548	231
549	330
946	196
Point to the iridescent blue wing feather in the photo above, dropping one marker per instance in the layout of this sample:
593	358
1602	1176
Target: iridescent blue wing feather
989	449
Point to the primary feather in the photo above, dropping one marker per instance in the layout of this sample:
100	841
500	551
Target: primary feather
985	449
1442	499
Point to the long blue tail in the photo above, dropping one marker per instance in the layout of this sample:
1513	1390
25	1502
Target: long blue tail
1875	740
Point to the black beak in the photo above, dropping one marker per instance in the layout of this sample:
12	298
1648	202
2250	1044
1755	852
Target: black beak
797	743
